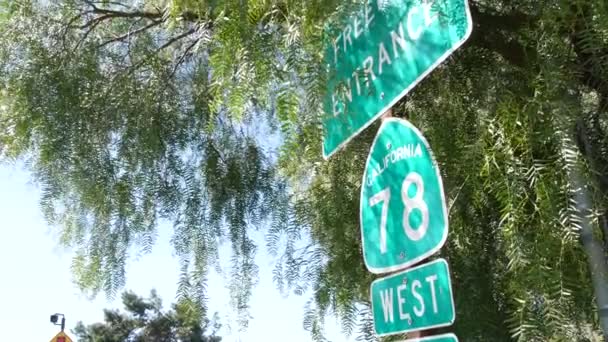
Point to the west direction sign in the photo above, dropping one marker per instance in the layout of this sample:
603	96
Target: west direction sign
379	53
403	210
437	338
416	299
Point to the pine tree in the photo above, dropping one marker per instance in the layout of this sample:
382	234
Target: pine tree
144	320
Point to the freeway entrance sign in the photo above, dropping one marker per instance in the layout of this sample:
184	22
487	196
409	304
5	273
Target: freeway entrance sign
403	211
379	54
416	299
438	338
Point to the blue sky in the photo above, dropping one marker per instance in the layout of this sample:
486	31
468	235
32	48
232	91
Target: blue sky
36	280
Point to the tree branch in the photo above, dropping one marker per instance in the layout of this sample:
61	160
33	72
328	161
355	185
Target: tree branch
216	150
136	66
590	134
176	38
130	33
183	57
86	34
127	14
103	14
95	21
92	3
186	15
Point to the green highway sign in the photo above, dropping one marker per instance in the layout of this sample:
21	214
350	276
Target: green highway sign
403	212
379	53
437	338
416	299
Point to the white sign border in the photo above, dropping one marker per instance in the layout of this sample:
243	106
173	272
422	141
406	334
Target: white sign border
432	338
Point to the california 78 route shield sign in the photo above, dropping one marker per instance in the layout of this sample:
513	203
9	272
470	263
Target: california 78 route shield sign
403	211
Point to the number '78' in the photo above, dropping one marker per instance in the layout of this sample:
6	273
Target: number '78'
409	203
